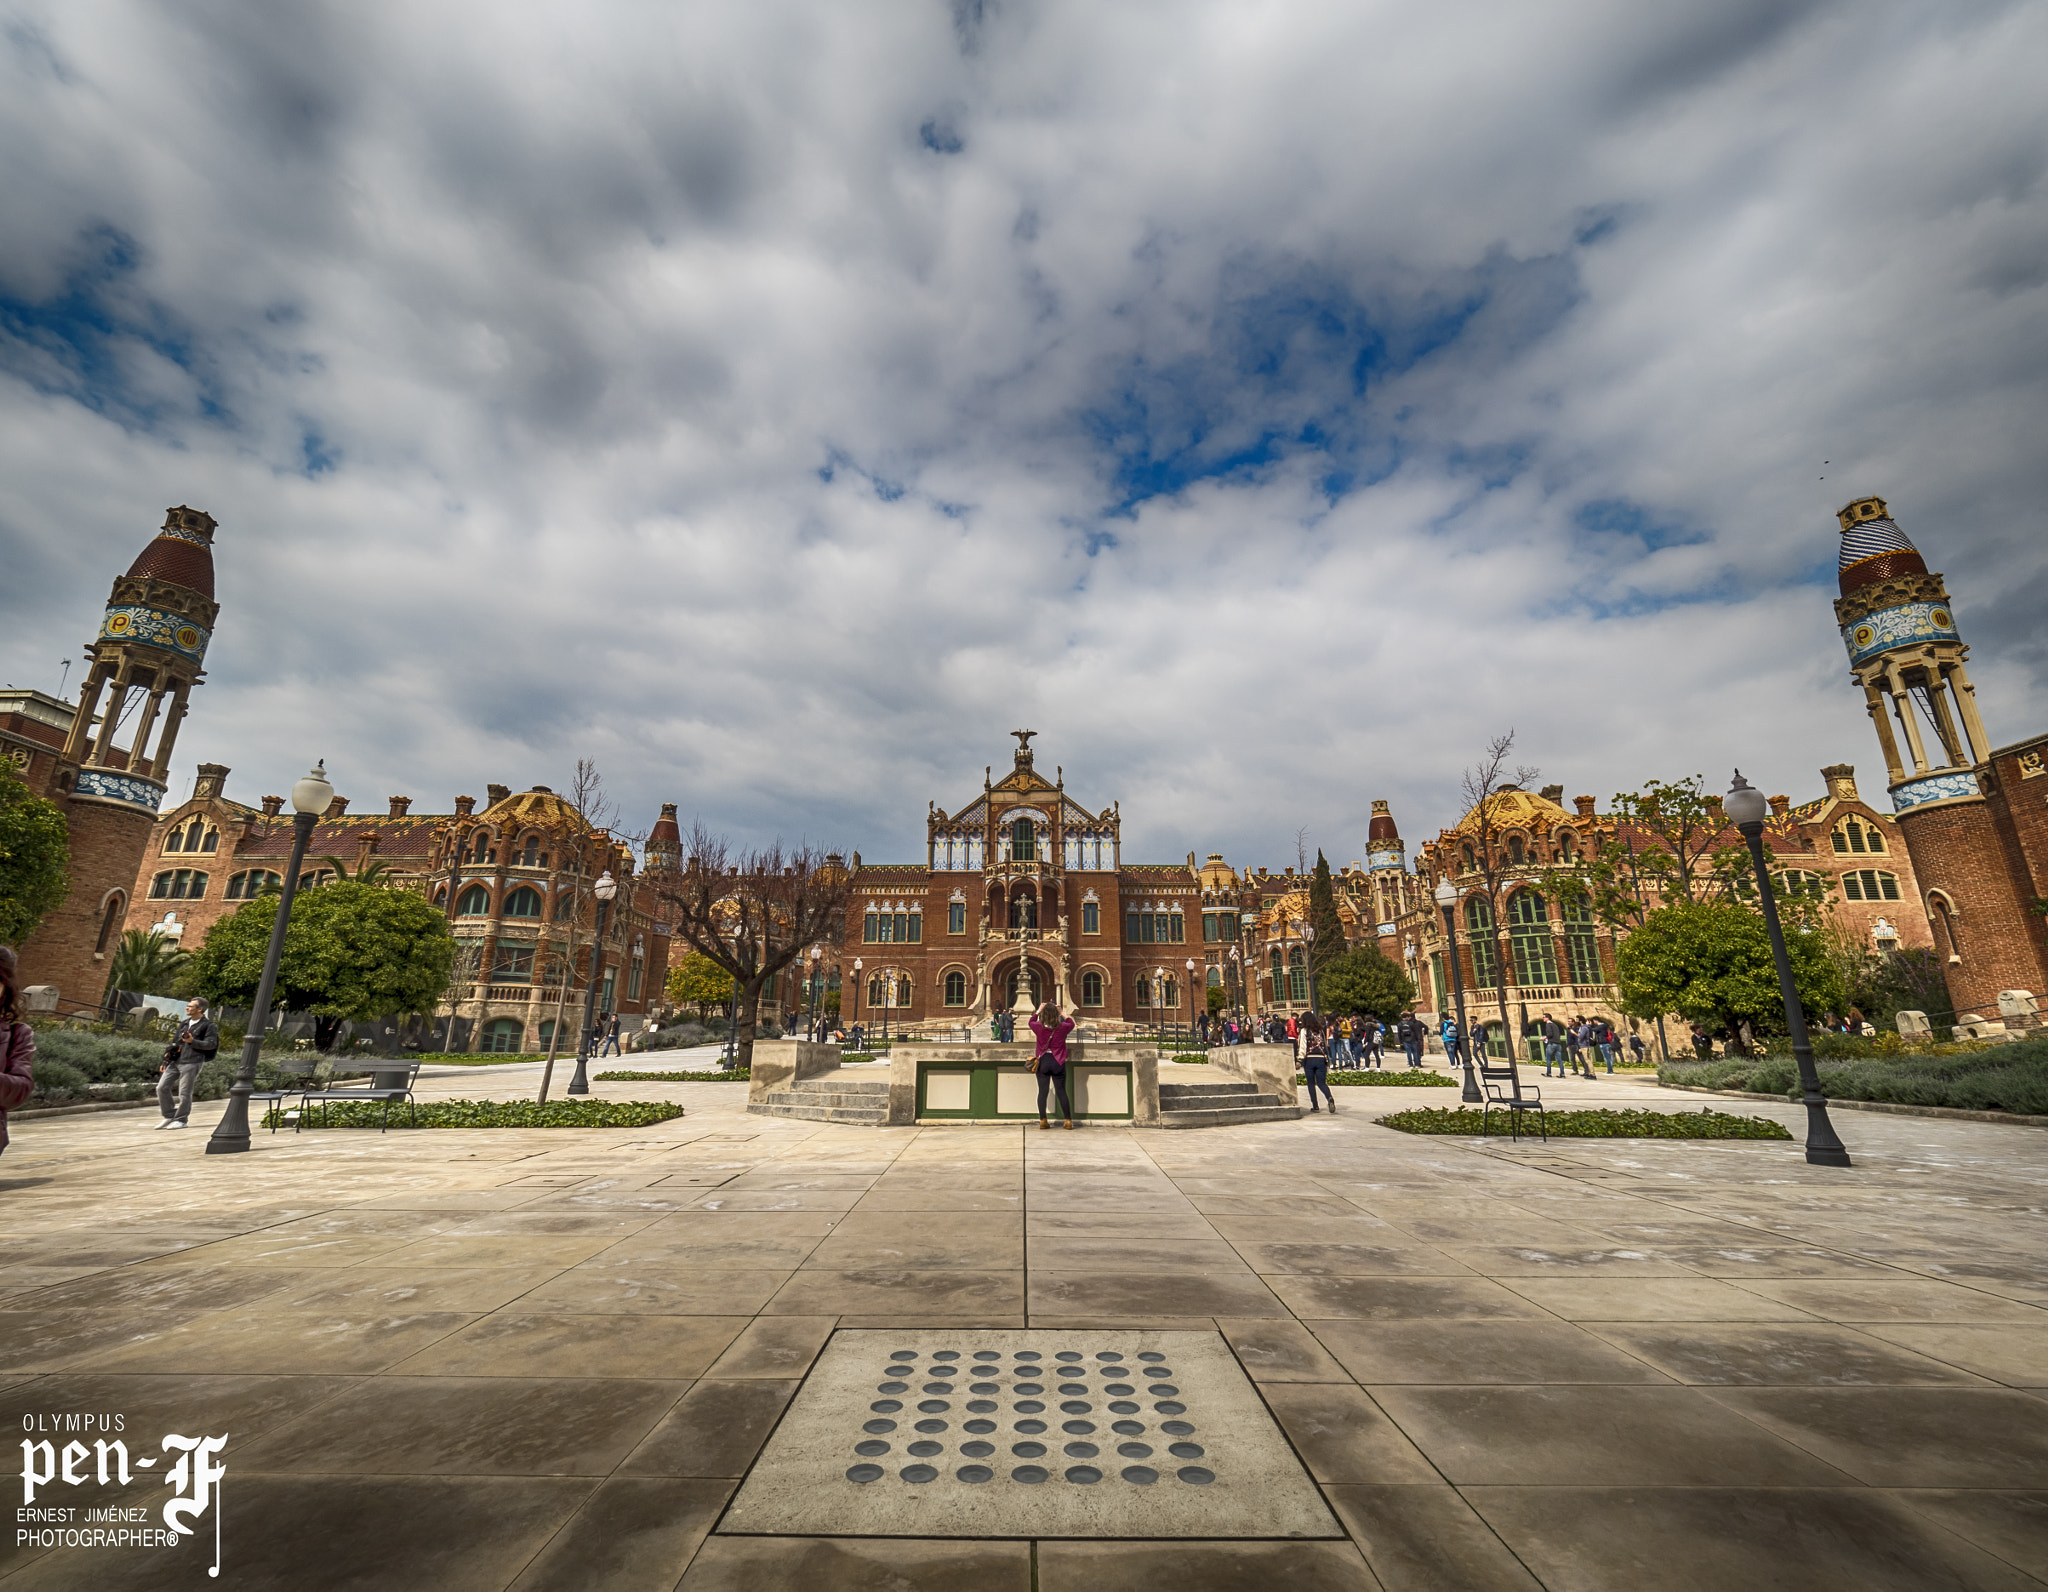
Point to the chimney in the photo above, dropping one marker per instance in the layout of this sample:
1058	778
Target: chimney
1553	793
213	778
1583	803
497	793
1780	805
1841	778
272	806
400	806
366	847
336	808
464	806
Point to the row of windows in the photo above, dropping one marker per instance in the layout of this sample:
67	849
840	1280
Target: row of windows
895	928
1855	837
1154	928
1868	885
1092	986
1219	927
189	884
194	836
1520	852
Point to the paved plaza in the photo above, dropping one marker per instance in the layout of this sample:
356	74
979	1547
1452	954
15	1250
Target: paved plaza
540	1359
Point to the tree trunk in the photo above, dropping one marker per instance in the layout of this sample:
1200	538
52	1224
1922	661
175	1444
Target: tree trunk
748	1019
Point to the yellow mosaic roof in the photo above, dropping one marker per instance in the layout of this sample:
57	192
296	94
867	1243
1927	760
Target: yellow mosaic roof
1510	809
532	807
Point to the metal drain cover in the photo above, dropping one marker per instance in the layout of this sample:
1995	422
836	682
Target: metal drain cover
980	1433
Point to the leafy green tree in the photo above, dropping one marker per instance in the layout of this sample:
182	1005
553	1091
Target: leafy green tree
35	857
1365	981
146	963
1324	917
376	871
1710	961
1218	998
700	982
352	952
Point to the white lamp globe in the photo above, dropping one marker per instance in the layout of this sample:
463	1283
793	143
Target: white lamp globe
313	793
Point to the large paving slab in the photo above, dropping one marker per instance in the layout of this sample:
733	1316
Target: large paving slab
579	1358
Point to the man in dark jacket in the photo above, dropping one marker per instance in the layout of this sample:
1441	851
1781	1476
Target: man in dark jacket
195	1045
1412	1035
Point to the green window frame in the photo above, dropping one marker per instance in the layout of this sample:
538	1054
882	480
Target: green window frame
1091	989
1485	946
512	964
475	902
956	917
1581	949
956	988
1529	934
1023	841
524	902
1091	917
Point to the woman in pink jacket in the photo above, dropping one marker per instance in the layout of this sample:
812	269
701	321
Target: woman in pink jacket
17	1045
1050	1064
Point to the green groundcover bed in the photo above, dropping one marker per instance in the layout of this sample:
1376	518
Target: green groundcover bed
2003	1077
1402	1078
484	1114
1703	1124
740	1076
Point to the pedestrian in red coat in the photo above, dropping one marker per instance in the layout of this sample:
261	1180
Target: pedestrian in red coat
17	1045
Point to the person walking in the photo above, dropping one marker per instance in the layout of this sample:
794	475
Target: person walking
1412	1034
1608	1044
1702	1046
610	1047
197	1042
1051	1030
1553	1045
1376	1041
1635	1046
1315	1061
1449	1035
17	1044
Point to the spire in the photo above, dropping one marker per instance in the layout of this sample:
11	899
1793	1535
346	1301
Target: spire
664	841
1873	546
1383	844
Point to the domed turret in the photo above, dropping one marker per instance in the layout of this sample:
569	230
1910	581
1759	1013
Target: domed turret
1383	845
1873	546
665	842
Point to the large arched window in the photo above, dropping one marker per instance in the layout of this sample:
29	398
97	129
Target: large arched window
1145	991
529	854
956	988
875	990
1024	841
1485	947
1580	948
502	1035
565	906
1565	844
475	903
1517	854
1023	907
1853	836
110	919
1091	989
524	902
481	850
1297	975
1529	934
905	994
179	884
248	886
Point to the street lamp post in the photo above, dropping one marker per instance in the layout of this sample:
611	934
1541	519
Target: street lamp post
1191	999
605	888
309	800
811	1012
856	999
1447	898
1308	940
1237	977
1745	805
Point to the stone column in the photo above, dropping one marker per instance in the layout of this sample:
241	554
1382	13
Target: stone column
1902	705
172	720
149	713
88	703
1873	701
117	699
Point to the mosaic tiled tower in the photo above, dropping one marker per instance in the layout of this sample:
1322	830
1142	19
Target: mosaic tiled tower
110	774
1907	654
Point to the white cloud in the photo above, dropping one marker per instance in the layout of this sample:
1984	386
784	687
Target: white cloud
780	403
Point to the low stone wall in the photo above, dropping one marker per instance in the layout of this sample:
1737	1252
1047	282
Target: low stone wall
904	1059
1268	1068
778	1063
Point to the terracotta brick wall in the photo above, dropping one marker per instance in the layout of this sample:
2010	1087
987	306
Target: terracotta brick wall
106	848
1957	850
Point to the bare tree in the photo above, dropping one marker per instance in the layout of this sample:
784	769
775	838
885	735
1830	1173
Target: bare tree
754	912
1484	783
599	815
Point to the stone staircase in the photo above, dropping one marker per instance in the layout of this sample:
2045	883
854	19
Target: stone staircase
830	1097
1217	1105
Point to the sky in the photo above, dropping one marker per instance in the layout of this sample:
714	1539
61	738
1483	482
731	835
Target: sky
1268	403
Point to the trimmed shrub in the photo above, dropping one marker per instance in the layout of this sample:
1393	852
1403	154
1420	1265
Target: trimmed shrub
58	1083
1403	1079
1702	1124
1991	1077
486	1114
714	1076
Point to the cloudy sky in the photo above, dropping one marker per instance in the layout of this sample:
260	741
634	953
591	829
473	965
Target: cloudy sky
1267	403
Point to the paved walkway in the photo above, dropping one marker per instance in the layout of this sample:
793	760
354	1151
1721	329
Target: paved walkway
542	1359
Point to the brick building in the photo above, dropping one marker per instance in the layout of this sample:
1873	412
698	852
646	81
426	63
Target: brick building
1974	817
521	871
103	759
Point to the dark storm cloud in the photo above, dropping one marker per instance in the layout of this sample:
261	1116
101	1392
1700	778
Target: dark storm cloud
781	402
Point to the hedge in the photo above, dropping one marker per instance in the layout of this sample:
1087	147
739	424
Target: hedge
1702	1124
740	1076
1404	1078
485	1114
1999	1077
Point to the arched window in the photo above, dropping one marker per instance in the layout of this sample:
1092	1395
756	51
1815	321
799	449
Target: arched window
1172	994
481	850
1144	991
524	902
1529	934
1565	843
502	1035
1024	908
1469	863
904	993
1297	975
1485	947
1580	948
875	990
1091	989
211	842
175	840
1942	912
1023	841
956	988
110	920
1852	836
1869	885
529	855
475	903
1516	854
1010	986
1215	977
565	906
179	884
248	886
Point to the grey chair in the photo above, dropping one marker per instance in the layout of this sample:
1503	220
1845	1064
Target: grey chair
387	1083
301	1066
1517	1099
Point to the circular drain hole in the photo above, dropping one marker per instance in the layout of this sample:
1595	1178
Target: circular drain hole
1108	1354
925	1450
1028	1450
871	1447
904	1354
1029	1354
1157	1370
1120	1407
926	1473
1077	1427
892	1387
1169	1407
878	1426
887	1406
1032	1474
983	1406
933	1406
1151	1355
1069	1389
1195	1475
1080	1450
1143	1475
977	1450
1086	1475
929	1426
1128	1428
985	1387
1067	1354
1028	1388
947	1354
1031	1426
986	1354
975	1473
1076	1407
939	1387
1161	1390
864	1473
1186	1450
1177	1428
1029	1406
1120	1390
1136	1451
981	1426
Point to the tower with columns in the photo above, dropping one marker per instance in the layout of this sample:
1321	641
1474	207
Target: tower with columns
108	773
1971	822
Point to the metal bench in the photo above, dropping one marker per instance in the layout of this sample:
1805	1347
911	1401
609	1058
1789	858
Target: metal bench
1514	1102
386	1084
293	1066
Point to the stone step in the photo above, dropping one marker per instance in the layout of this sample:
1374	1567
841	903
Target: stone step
829	1102
839	1085
810	1113
1229	1116
1204	1090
